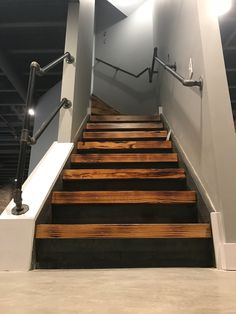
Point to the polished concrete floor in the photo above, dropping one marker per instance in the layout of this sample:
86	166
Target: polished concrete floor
119	291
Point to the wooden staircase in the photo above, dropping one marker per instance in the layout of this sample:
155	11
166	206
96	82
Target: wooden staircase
124	203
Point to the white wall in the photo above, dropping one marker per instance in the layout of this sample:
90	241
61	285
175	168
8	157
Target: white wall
45	106
202	124
76	83
17	231
127	44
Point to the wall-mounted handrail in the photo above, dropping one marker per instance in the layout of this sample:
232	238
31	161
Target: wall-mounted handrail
147	69
25	138
41	71
172	70
65	103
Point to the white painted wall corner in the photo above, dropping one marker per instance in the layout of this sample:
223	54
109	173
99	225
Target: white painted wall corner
17	232
225	253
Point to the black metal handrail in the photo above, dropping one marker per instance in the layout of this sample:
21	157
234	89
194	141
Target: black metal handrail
65	103
147	69
25	138
172	70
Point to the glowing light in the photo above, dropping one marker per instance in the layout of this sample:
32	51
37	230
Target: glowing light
221	7
31	112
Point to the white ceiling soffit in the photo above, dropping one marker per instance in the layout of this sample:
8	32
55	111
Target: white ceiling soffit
126	6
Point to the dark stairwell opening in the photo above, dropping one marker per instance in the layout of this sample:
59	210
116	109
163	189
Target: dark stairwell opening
227	25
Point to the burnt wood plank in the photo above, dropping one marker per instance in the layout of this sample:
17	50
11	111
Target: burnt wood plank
124	118
123	134
87	231
114	174
123	126
99	107
125	145
124	158
124	197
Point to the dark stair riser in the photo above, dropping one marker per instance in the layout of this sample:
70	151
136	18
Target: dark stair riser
124	214
121	165
125	151
148	139
119	253
132	184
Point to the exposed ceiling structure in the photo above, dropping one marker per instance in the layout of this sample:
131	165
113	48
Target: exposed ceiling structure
228	34
29	31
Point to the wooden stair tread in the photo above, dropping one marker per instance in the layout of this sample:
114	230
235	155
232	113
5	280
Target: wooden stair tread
93	231
117	125
99	107
124	118
125	145
124	158
124	134
114	174
124	197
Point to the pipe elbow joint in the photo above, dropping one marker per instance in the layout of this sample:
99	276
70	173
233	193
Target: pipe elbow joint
37	67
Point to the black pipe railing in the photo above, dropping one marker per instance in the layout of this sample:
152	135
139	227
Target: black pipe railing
124	71
25	138
65	103
172	70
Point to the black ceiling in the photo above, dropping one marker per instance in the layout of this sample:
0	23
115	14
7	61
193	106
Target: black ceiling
29	30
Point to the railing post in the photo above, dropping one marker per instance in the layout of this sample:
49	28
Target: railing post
25	138
20	208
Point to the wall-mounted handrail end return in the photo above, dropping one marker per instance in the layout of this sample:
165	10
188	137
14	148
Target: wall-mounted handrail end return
172	70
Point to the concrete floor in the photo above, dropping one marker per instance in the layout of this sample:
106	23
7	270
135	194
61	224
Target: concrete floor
131	291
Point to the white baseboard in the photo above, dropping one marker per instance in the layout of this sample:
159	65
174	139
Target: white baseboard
225	253
81	127
191	169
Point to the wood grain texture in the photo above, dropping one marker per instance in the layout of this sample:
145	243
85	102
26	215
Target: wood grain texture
124	158
125	145
121	126
93	231
99	107
123	134
113	174
123	118
124	197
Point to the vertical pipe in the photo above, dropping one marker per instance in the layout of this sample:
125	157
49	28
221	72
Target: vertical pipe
20	209
151	71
